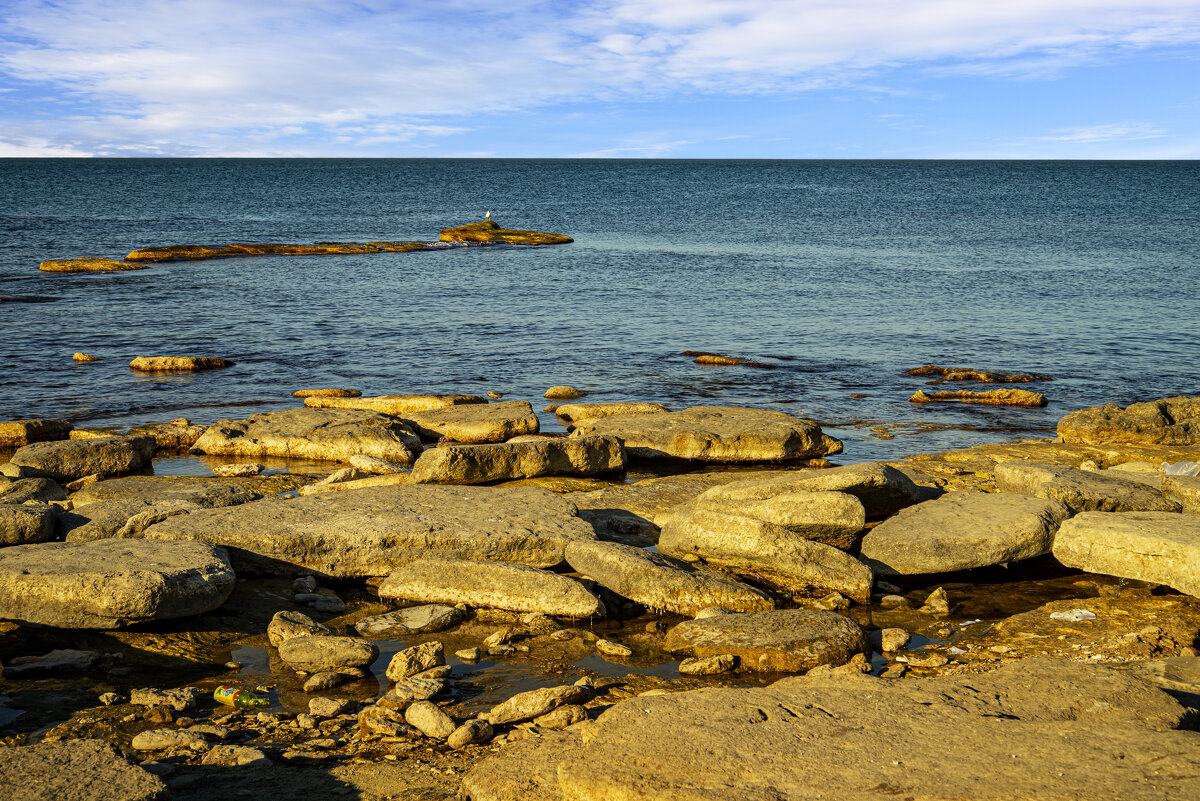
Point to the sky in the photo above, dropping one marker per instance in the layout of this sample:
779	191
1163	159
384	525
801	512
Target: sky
1080	79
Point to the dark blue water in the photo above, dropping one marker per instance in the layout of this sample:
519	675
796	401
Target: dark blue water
843	273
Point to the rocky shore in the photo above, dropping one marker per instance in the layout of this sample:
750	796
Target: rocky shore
691	603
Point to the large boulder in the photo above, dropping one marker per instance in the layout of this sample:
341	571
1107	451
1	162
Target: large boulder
661	583
963	530
370	532
497	585
882	489
1159	547
1081	490
42	490
1034	729
15	433
1185	490
714	434
477	464
122	507
764	552
314	653
1168	421
23	523
785	640
392	404
325	434
475	422
71	459
75	770
111	583
570	414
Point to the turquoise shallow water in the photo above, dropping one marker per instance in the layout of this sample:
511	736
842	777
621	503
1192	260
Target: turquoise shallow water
841	273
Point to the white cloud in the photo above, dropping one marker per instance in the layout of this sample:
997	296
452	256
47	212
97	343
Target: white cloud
1111	132
212	76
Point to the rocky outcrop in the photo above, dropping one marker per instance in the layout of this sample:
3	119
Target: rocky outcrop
392	404
475	422
331	392
571	413
882	489
993	397
1159	547
490	231
497	585
111	583
661	583
972	374
123	507
200	252
1167	421
177	364
477	464
323	434
369	532
784	641
962	530
15	433
87	265
714	434
71	459
1081	490
76	770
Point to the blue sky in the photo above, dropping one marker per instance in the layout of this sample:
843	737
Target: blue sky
619	78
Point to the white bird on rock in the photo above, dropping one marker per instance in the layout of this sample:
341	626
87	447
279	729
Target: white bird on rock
488	216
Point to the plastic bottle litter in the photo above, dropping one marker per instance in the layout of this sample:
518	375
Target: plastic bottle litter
1074	615
242	699
1181	469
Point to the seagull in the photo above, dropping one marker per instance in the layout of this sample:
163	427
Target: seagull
488	216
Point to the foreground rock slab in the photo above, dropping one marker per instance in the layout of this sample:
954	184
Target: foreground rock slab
1081	490
323	434
1167	421
882	489
111	583
476	422
571	413
392	404
785	640
714	434
661	583
21	524
75	770
369	532
1043	729
477	464
1159	547
497	585
15	433
122	507
962	530
71	459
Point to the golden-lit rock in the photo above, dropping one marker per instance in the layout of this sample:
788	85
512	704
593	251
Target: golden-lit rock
993	397
971	374
199	252
172	364
332	392
87	265
490	231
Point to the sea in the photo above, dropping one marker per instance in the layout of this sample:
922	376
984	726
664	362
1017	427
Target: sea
838	275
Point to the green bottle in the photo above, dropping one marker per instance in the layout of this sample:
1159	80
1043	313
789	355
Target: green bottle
242	699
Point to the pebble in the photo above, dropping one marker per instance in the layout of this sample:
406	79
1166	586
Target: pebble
893	639
233	665
306	721
325	680
469	654
937	603
473	732
563	634
893	602
610	648
494	395
108	699
926	661
707	665
427	718
328	707
304	584
244	470
834	602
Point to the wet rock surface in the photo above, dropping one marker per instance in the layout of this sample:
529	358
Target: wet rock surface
1167	421
477	464
123	507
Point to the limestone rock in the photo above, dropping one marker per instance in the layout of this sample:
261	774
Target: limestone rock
992	397
501	585
328	707
972	374
15	433
427	718
392	404
123	507
1185	490
316	652
1159	547
765	552
476	422
23	490
375	465
180	699
111	583
1167	421
234	756
572	413
473	732
88	264
1081	490
491	232
67	460
326	434
563	392
162	739
84	358
707	665
369	532
476	464
54	663
241	470
287	624
561	717
21	524
426	618
660	582
412	688
418	659
75	770
785	640
173	437
535	703
962	530
882	489
833	518
714	434
327	393
177	364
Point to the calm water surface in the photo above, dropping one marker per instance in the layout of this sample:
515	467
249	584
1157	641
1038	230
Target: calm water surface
841	273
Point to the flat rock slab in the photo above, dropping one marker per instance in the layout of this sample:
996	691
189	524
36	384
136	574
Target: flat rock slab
785	640
15	433
111	583
1081	490
423	619
1167	421
764	552
372	531
21	524
476	422
833	518
22	490
661	583
71	459
478	464
1037	729
1159	547
75	770
393	404
498	585
88	264
1185	490
314	653
714	434
122	507
572	413
992	397
323	434
882	489
962	530
177	364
